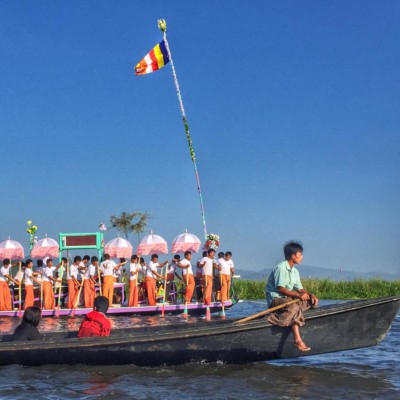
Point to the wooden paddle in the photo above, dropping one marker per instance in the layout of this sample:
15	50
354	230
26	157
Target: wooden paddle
222	302
165	290
20	291
269	310
99	278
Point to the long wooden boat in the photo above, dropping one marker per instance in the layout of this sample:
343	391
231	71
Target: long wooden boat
331	328
144	309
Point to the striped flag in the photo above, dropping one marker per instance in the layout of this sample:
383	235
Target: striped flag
153	61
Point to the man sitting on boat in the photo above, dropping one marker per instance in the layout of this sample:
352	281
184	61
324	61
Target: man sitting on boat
283	286
96	323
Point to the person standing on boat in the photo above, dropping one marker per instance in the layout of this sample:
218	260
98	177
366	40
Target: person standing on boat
217	283
283	286
199	278
134	270
89	288
73	283
29	278
5	295
208	265
108	267
151	276
227	269
187	274
47	282
171	274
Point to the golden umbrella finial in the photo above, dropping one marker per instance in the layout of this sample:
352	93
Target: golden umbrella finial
162	25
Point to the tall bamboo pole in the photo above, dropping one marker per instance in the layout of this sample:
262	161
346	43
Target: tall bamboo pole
162	25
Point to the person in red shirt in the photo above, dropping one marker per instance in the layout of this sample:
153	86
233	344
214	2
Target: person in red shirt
96	323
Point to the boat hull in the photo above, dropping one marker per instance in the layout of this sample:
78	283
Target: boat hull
328	329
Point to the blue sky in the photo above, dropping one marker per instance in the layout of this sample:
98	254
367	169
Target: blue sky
293	109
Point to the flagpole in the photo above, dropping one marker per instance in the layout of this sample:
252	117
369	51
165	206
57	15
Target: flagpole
162	25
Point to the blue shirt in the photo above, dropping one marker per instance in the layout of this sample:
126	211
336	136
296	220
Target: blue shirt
285	276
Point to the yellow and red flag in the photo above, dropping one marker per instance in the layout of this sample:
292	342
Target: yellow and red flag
156	59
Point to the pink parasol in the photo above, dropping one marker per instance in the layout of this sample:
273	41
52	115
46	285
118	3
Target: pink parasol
46	247
152	244
186	242
118	247
11	249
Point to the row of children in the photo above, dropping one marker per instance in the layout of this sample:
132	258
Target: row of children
84	275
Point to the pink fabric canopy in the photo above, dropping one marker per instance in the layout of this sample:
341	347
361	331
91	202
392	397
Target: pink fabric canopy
152	244
11	249
118	248
186	242
46	247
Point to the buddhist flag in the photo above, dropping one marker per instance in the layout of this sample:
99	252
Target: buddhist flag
153	61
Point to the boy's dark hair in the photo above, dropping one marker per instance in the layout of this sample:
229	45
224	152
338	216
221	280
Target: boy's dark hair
177	257
106	256
77	258
221	254
86	257
6	261
134	257
39	263
48	260
28	261
210	251
228	253
32	316
154	256
291	248
94	259
141	260
64	259
204	253
101	304
187	253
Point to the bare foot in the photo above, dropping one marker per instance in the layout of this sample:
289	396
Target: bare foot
302	346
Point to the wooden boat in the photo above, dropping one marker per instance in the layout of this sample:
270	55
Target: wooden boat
144	309
331	328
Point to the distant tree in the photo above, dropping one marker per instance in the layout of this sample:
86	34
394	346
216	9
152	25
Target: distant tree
130	222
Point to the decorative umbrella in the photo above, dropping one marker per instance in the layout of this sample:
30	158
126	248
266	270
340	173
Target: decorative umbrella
152	244
186	242
118	248
11	249
46	247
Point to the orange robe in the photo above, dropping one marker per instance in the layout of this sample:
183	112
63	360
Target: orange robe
72	293
5	297
208	284
225	285
48	295
108	288
190	285
133	294
29	297
89	293
151	290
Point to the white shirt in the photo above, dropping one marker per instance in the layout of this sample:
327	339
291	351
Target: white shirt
107	267
171	268
225	266
152	267
187	270
48	272
73	272
134	269
4	271
208	266
90	271
28	276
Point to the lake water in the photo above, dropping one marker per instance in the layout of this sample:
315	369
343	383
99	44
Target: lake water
371	373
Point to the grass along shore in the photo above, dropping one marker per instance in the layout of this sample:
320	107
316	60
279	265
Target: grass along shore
326	289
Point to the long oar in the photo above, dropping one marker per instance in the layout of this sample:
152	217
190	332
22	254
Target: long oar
260	314
20	291
78	297
60	275
223	316
185	310
99	278
165	291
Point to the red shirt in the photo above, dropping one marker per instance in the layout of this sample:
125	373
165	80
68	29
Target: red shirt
95	324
